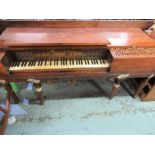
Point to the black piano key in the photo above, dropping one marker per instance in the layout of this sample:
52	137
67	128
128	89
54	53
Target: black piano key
103	61
85	61
31	63
14	64
88	62
45	63
24	63
17	63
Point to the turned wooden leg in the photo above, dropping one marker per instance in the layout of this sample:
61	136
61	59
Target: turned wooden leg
39	93
115	87
11	92
117	82
6	112
142	85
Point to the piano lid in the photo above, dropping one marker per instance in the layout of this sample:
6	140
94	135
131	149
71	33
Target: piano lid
112	37
52	37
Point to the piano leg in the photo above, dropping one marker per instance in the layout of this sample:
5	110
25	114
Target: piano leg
117	82
39	93
115	87
6	112
11	92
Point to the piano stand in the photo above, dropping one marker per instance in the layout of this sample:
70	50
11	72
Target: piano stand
6	112
39	93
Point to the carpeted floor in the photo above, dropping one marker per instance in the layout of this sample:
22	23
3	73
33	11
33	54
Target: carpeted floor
81	108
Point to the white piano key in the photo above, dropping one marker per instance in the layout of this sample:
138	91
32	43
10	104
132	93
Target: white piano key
48	63
59	63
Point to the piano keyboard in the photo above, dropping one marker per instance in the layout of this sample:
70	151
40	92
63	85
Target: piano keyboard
58	65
